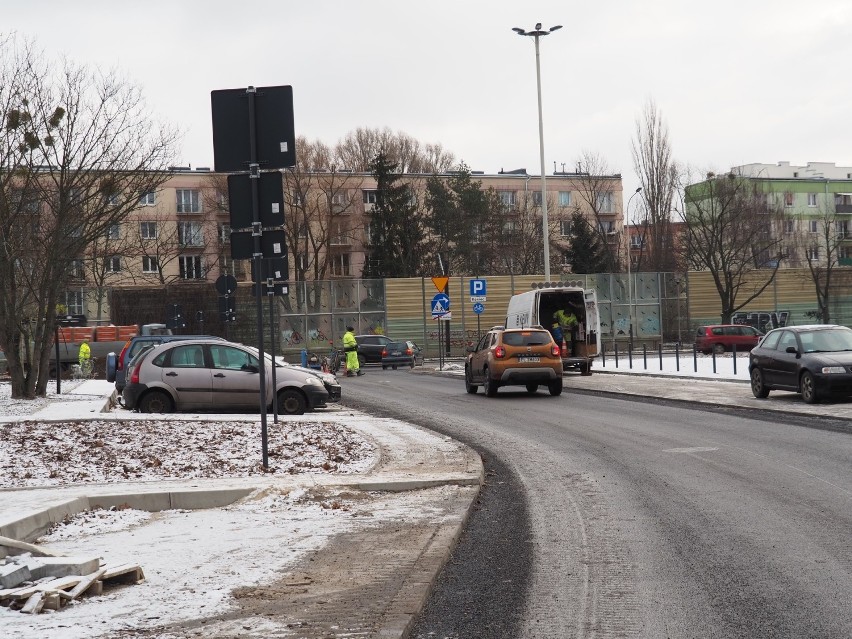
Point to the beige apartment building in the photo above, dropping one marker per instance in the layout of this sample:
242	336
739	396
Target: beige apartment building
181	233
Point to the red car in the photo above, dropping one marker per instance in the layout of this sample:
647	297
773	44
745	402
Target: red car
723	337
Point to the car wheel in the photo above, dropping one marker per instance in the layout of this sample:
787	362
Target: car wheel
532	388
111	365
411	365
291	402
555	387
719	349
468	385
490	385
758	388
156	402
394	367
384	367
361	360
807	384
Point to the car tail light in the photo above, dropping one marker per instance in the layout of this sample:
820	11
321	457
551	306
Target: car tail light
555	350
499	352
134	374
384	352
408	351
120	365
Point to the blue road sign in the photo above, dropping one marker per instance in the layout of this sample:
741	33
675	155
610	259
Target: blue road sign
477	288
440	305
478	308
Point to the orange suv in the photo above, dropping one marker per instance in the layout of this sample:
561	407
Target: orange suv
514	357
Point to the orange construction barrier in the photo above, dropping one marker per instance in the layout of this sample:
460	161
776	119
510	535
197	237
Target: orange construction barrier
106	333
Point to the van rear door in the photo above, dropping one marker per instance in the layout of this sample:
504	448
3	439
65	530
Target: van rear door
593	322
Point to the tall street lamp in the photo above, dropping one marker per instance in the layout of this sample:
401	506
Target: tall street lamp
629	279
537	33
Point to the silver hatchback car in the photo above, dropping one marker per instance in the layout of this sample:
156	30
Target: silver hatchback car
215	375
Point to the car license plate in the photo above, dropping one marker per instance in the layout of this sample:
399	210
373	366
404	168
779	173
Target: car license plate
396	353
528	358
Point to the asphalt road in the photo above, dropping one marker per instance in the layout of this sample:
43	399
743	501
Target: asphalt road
607	517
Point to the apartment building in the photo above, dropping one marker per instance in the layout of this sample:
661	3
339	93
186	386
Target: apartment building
181	234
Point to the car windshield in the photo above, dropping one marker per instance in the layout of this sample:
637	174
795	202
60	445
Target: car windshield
827	340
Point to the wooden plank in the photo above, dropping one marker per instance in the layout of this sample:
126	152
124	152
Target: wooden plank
52	584
34	604
84	584
37	551
125	573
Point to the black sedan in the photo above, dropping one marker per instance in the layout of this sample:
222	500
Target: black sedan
401	354
814	360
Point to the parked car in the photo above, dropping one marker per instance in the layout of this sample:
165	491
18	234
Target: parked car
406	353
518	356
370	348
215	375
117	366
814	360
724	337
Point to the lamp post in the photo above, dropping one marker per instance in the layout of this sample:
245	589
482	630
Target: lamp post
536	34
629	278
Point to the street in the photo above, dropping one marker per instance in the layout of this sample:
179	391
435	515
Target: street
606	517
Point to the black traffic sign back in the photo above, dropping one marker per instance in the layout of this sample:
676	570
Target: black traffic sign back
275	131
270	192
272	244
226	284
275	269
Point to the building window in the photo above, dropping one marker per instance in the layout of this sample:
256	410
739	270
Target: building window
148	199
606	227
844	252
302	262
112	264
788	200
789	226
188	201
339	234
812	253
636	241
842	228
148	230
507	197
813	226
230	266
566	259
113	232
370	197
190	267
75	270
564	198
149	264
565	228
509	227
224	233
189	234
604	202
340	264
73	302
302	231
537	198
812	199
340	198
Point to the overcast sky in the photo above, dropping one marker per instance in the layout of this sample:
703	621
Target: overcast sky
736	82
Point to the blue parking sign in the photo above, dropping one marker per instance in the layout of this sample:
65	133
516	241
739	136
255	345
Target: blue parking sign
477	288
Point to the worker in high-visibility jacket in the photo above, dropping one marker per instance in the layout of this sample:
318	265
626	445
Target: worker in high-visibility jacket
84	358
350	347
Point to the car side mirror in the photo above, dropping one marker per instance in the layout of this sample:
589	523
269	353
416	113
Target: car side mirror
249	368
792	350
470	349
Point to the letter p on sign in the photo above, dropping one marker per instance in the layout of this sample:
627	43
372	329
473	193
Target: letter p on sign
477	287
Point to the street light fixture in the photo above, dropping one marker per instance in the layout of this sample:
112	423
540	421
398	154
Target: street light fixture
537	33
629	278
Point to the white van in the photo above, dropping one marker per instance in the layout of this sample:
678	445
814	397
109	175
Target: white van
537	306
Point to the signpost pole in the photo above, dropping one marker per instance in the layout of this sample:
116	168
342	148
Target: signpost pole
257	256
270	292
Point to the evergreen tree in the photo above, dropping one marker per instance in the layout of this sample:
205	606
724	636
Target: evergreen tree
396	230
585	253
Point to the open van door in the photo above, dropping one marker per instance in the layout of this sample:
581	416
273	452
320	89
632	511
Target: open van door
593	323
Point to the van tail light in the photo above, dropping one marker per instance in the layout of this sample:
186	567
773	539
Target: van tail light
120	364
499	352
134	374
555	350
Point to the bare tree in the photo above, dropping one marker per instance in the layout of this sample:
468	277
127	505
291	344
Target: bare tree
658	175
359	148
733	231
80	146
597	202
105	261
817	242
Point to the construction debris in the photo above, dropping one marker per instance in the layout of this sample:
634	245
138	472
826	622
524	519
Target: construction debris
34	579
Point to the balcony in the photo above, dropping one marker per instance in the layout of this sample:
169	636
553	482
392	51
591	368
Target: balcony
843	208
